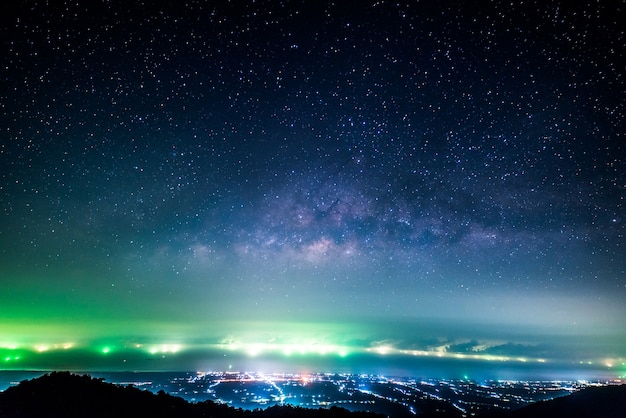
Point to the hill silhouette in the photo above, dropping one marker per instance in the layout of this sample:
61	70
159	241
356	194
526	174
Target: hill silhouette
62	394
593	402
597	402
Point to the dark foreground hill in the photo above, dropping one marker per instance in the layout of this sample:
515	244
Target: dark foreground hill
61	394
593	402
597	402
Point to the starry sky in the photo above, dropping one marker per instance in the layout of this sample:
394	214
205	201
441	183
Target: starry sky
300	184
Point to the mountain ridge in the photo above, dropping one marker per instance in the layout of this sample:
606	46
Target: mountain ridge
63	394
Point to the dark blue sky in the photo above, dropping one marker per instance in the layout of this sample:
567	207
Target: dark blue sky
442	177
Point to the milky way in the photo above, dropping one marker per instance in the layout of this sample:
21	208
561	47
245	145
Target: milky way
411	178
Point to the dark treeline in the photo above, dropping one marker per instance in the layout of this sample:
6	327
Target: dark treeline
62	394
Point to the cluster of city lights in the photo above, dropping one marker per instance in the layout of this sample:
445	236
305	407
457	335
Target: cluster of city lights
287	349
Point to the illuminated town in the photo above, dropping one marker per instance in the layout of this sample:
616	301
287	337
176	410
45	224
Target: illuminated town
489	383
403	207
396	397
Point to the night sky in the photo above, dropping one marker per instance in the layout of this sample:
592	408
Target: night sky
312	185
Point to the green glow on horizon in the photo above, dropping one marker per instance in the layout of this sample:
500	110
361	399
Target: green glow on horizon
286	349
163	348
15	352
11	354
140	355
192	345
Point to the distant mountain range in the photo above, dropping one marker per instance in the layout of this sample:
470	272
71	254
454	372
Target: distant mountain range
62	394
